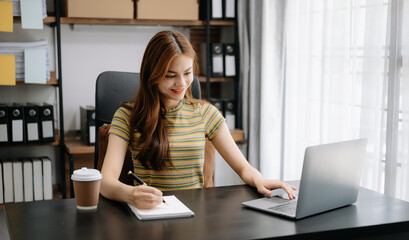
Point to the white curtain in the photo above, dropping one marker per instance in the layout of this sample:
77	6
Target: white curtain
345	79
402	176
261	26
335	79
321	71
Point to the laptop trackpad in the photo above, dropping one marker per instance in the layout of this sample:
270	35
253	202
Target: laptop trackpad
266	202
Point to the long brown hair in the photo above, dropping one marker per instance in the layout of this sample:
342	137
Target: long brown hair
147	113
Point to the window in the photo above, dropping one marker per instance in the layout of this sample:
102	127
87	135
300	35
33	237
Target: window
347	73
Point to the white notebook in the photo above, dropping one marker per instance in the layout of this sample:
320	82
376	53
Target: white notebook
173	208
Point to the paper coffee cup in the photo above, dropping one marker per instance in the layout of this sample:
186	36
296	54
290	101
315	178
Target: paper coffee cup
86	188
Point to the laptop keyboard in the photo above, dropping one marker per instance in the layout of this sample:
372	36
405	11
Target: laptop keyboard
287	208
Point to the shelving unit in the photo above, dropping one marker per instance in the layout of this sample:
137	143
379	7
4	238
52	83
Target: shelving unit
55	81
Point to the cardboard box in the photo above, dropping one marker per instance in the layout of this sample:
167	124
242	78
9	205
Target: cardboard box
119	9
167	10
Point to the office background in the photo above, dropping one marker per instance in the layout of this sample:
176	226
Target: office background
87	51
338	71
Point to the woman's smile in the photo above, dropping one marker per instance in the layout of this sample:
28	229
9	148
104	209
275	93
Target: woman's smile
178	91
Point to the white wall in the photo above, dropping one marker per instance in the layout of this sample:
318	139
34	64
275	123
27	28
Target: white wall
88	50
223	173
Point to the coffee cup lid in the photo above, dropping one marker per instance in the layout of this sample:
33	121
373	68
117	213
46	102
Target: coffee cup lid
85	174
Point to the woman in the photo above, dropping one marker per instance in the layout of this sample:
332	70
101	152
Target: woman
169	129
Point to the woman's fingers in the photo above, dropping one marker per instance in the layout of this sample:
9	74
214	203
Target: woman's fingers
145	197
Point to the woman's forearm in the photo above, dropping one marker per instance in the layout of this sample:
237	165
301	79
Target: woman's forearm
115	190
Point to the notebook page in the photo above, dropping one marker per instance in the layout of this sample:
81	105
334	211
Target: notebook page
172	209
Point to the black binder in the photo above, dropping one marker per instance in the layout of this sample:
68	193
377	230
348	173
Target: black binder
218	103
216	9
229	9
87	117
229	60
230	113
217	60
4	124
16	116
32	123
47	132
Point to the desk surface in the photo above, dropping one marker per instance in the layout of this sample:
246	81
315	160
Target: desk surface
219	215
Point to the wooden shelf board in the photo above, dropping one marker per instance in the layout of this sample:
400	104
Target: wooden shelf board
153	22
215	79
49	19
238	135
53	81
220	23
145	22
77	146
55	143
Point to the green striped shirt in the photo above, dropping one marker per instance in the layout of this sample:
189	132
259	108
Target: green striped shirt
188	125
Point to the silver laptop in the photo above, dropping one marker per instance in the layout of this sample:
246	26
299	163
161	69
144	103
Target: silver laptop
330	179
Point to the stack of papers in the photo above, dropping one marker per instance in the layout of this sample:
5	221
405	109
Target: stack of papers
173	208
17	8
31	60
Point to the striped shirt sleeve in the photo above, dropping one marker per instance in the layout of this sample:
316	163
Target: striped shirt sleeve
120	124
212	119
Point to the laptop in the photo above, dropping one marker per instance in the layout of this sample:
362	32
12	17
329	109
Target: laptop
330	179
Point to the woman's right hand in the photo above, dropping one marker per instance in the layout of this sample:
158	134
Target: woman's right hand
145	197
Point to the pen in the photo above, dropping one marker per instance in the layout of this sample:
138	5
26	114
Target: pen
140	182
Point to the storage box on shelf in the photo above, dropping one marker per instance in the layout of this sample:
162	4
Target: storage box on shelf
167	10
118	9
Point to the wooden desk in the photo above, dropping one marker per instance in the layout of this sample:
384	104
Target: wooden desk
84	157
218	215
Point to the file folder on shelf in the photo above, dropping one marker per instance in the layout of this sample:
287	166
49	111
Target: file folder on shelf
37	179
4	124
8	181
229	60
32	120
230	113
216	7
87	118
16	113
217	60
229	9
218	103
28	180
18	180
47	178
47	133
1	183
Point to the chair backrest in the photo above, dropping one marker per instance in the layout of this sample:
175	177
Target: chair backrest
112	89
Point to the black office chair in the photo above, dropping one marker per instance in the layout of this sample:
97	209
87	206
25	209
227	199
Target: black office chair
114	88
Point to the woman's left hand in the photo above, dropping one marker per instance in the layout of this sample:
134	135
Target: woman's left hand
265	186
